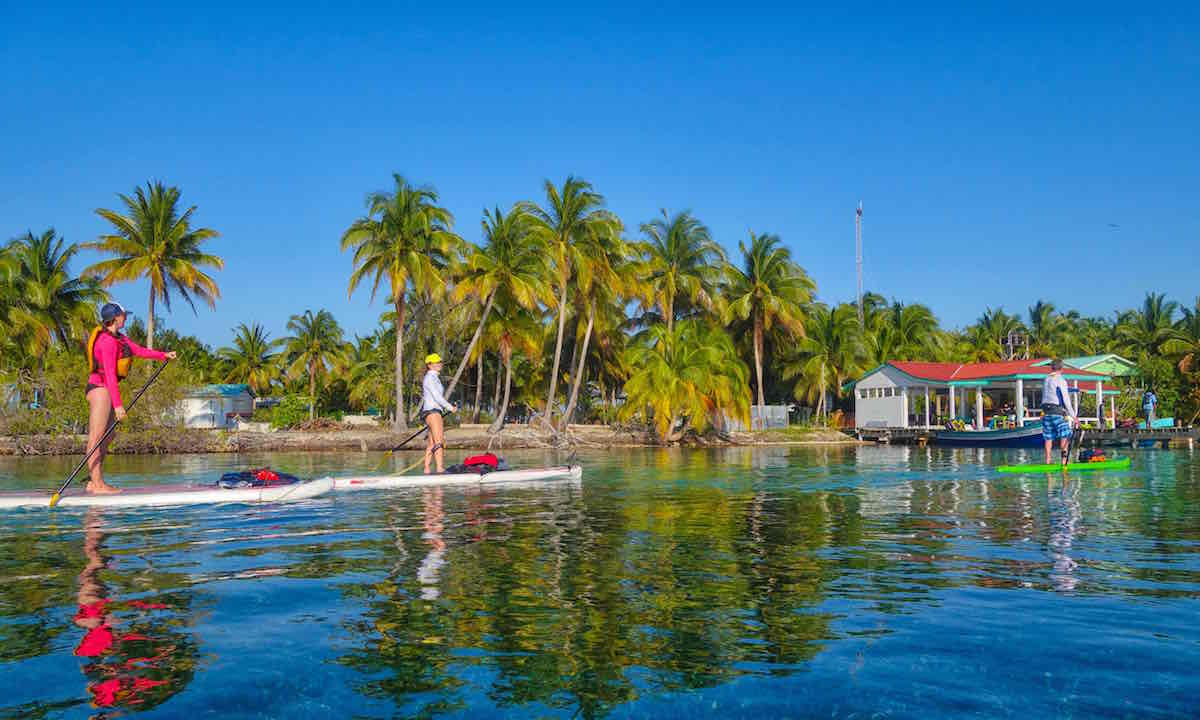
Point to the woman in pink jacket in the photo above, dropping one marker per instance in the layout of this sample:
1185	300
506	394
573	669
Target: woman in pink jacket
110	356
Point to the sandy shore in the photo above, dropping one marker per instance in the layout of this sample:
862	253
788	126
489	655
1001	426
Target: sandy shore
466	437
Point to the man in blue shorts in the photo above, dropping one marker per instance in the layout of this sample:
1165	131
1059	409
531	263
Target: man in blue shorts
1059	418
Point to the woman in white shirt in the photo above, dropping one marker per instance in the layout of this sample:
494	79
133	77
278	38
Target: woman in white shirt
433	403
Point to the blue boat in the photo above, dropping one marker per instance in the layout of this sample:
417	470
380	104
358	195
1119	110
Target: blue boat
1029	436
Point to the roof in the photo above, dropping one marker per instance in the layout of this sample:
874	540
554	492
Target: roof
980	373
219	390
1110	364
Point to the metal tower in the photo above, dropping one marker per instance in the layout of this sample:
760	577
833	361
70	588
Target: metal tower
858	257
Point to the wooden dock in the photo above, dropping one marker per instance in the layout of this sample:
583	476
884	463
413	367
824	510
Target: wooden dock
1121	437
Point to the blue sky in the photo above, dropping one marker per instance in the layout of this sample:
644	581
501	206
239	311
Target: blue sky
1001	157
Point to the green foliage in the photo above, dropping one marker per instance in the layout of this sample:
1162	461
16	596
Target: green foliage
290	412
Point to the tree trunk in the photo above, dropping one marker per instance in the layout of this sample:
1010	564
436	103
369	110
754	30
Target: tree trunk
499	382
401	423
562	321
758	338
577	381
669	311
498	423
150	321
478	386
462	364
312	391
821	410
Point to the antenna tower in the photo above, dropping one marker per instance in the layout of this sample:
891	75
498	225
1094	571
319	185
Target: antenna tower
858	257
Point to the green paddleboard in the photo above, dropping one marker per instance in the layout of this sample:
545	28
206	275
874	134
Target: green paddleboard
1114	464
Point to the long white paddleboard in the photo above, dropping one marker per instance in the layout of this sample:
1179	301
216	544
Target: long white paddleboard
156	495
383	482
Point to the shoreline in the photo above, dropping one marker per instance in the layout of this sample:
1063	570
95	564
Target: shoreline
470	437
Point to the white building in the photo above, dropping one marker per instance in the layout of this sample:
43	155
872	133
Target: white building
216	406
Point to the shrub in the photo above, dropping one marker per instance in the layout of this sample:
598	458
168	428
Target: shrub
290	412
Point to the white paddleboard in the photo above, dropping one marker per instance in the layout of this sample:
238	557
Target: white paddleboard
383	482
157	495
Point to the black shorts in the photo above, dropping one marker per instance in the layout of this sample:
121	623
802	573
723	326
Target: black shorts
427	413
90	387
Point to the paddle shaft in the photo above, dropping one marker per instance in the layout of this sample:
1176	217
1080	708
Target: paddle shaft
111	427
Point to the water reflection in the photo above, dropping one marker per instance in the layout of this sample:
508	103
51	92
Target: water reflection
135	652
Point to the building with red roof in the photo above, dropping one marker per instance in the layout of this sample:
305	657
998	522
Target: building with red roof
902	394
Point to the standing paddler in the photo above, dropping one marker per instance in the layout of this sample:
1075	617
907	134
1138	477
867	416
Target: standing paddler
110	355
1059	416
433	403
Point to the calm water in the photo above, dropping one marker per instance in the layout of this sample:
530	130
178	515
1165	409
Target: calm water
857	582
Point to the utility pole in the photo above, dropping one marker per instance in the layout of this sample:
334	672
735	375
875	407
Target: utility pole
858	257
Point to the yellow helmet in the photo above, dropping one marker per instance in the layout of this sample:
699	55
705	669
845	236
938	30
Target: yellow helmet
432	358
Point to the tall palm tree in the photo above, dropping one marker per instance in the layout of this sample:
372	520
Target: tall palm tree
251	358
314	347
689	378
370	371
769	289
572	214
831	352
46	303
603	279
405	239
153	240
511	263
682	263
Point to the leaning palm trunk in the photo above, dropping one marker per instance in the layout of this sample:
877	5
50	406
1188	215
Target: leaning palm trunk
487	309
312	392
562	322
401	421
478	386
577	381
498	423
499	382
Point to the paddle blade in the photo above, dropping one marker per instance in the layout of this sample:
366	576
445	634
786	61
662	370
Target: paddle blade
54	499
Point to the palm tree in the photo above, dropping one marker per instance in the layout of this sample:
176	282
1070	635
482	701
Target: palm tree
314	347
155	241
1145	331
831	353
46	302
369	362
1045	327
511	264
1184	343
405	239
682	263
250	359
900	332
572	214
603	279
770	289
514	329
688	378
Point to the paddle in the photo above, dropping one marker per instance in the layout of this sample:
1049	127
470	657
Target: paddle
387	455
111	426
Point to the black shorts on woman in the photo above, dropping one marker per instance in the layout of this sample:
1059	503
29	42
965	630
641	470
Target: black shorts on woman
427	413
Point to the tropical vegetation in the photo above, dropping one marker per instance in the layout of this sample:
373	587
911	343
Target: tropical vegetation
560	314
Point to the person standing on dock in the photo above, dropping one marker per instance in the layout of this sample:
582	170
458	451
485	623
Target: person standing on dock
1059	417
1149	402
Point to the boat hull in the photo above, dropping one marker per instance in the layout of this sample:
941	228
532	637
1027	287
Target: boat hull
167	495
1029	436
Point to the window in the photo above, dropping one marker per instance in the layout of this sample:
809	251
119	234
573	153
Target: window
887	392
863	393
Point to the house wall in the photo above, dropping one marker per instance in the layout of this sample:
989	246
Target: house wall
213	412
884	404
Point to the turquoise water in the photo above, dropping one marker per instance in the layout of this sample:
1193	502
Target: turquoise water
781	582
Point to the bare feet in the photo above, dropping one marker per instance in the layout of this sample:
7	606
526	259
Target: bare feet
101	488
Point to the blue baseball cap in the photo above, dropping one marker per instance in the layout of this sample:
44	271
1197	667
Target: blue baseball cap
111	310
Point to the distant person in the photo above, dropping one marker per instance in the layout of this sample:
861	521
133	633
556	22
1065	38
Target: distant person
433	403
110	355
1059	417
1149	403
